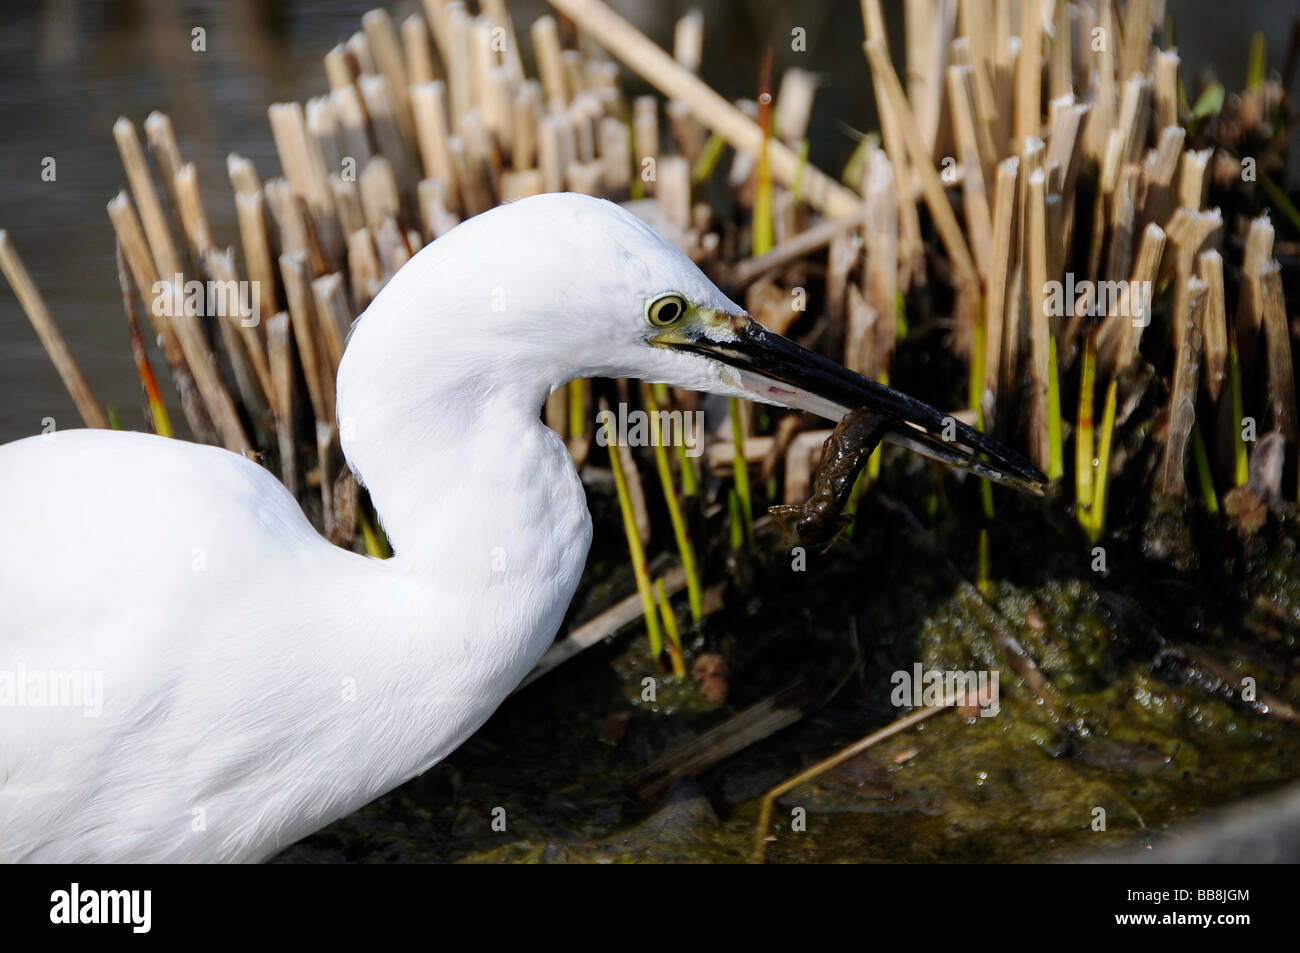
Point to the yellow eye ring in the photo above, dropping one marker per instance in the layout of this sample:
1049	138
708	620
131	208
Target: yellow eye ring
665	310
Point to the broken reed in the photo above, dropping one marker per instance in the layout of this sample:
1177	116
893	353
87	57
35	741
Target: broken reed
1030	150
1116	107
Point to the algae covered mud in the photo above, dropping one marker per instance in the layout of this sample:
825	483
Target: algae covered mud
1145	661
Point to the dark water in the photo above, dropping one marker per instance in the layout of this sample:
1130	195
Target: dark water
68	70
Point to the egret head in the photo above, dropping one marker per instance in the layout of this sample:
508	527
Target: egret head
519	300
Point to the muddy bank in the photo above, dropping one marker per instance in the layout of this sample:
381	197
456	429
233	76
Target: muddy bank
1146	662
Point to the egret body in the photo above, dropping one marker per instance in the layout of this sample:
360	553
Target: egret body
257	682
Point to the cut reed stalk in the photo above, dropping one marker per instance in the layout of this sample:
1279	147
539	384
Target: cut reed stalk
550	61
387	49
936	199
1040	337
163	250
1215	329
416	52
251	215
247	353
999	275
166	152
194	221
891	135
297	288
305	172
332	312
676	82
280	359
1182	400
1029	72
880	277
429	104
33	304
974	194
377	95
1277	339
201	361
140	261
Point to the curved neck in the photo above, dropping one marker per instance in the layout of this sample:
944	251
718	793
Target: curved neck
440	420
490	530
487	495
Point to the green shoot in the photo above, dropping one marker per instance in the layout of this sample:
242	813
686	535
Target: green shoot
577	402
1056	456
1096	524
737	525
670	626
1241	468
637	552
680	529
1280	200
1204	476
707	160
796	190
1257	65
740	469
1084	433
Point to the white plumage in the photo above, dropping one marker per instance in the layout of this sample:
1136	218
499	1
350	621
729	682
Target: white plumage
258	682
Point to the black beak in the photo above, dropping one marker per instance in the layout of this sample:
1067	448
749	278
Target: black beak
775	370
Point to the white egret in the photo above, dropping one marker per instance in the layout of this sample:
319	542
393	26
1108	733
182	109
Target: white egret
255	682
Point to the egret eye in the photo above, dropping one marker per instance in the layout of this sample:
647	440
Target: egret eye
664	310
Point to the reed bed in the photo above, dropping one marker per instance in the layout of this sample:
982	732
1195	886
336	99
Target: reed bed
1093	237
